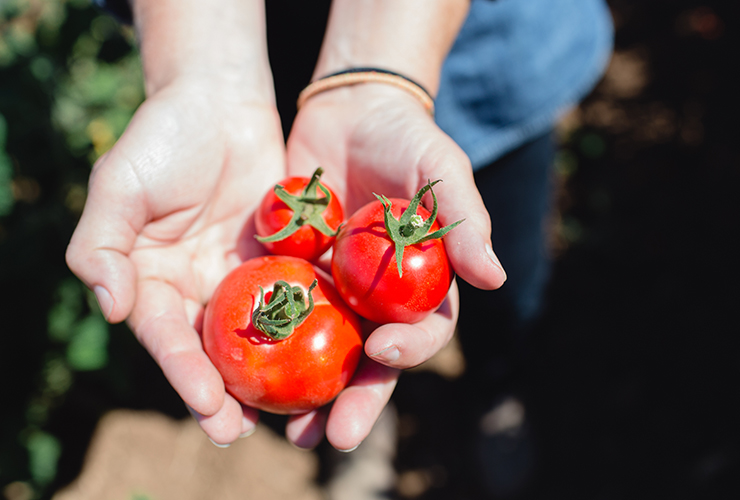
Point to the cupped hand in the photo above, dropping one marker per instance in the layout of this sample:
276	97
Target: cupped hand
374	138
169	213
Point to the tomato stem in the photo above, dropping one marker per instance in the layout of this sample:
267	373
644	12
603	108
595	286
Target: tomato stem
411	228
284	311
308	209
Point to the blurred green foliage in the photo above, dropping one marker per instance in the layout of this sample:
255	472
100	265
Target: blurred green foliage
70	81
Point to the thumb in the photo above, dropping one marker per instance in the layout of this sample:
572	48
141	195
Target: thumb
98	253
469	244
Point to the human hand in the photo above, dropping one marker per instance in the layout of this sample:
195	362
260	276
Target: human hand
374	138
169	213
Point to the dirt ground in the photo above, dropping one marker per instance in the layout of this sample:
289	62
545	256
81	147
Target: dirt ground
146	455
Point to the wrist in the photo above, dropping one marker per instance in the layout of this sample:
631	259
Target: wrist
356	103
358	76
410	37
220	44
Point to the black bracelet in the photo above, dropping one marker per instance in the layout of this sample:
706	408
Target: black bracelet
381	71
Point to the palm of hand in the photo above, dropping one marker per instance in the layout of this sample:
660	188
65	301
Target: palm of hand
168	215
200	183
386	146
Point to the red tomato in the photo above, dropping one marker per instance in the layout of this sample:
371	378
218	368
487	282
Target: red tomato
366	274
295	375
303	223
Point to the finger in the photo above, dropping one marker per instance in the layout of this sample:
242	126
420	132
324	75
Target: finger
227	424
358	406
250	416
306	431
469	244
99	248
160	324
404	346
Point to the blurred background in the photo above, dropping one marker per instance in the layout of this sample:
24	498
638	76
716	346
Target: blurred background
631	378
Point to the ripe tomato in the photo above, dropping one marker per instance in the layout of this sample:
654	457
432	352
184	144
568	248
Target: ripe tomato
300	217
294	375
379	287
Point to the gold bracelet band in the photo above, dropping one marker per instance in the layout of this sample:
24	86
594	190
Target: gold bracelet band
352	77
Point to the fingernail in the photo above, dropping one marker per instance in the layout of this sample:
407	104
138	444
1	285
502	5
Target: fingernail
197	416
250	430
388	354
349	450
492	256
219	445
299	446
105	301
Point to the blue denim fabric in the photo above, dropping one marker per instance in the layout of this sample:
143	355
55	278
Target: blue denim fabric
515	66
493	324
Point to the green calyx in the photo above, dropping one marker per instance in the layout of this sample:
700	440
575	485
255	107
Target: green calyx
284	311
411	228
307	207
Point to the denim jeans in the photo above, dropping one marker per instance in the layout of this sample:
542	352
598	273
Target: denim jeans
517	191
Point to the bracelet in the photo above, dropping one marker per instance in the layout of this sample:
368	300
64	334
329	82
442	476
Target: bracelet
367	75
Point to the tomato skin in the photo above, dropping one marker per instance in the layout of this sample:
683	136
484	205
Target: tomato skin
308	242
305	371
366	276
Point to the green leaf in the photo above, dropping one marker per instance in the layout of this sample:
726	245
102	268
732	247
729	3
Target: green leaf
285	310
88	349
307	208
410	228
43	455
70	300
41	68
3	132
58	378
61	319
